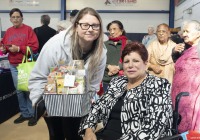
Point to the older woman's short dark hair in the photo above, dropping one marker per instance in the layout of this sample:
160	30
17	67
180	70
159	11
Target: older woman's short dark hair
121	27
135	46
16	10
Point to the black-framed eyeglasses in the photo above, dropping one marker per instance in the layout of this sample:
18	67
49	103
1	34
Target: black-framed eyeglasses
86	26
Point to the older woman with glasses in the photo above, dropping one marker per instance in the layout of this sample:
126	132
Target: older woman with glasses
83	41
15	42
160	61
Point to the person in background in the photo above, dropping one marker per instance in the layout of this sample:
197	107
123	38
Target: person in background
72	14
15	42
115	45
147	39
186	78
136	106
83	41
63	25
44	32
178	38
160	61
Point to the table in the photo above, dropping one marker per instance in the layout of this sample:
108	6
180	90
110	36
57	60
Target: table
8	98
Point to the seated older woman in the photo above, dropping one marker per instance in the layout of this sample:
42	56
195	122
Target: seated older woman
136	106
187	75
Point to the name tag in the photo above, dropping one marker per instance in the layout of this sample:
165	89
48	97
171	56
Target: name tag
69	80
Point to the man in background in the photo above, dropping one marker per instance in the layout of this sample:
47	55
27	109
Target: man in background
44	32
149	37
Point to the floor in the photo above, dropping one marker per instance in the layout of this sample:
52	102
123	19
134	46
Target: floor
11	131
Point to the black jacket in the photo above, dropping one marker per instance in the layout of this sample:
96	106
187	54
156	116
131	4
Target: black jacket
44	33
176	55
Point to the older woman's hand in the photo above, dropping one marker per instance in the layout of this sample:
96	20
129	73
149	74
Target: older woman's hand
179	47
113	69
156	69
13	48
89	135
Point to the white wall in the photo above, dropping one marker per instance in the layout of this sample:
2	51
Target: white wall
133	22
100	5
181	12
31	19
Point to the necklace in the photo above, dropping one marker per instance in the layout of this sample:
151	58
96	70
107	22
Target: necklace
162	48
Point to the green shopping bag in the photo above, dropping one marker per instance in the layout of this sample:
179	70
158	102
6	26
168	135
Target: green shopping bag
24	70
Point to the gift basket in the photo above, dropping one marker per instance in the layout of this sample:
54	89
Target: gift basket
65	91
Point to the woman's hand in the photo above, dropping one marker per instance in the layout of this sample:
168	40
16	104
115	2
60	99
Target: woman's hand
13	48
89	135
113	69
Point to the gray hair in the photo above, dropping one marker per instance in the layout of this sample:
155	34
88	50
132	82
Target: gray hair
64	24
151	27
197	28
194	22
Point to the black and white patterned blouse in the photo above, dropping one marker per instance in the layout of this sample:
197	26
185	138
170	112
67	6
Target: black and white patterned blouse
146	113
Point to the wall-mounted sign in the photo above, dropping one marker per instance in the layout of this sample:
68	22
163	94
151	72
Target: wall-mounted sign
178	2
120	2
24	2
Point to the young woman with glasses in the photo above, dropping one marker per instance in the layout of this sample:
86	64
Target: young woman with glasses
82	41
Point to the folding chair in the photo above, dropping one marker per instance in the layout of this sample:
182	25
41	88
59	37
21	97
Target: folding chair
176	119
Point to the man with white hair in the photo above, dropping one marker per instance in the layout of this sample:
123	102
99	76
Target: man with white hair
186	77
150	37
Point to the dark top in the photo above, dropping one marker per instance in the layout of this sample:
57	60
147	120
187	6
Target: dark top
44	33
113	129
176	55
177	39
